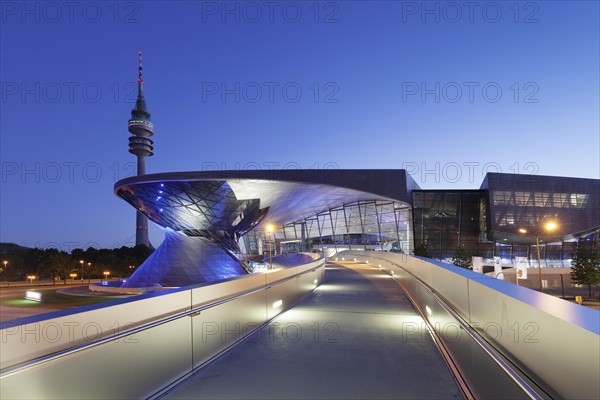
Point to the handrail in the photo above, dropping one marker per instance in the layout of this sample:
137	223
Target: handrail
489	349
149	325
484	344
441	347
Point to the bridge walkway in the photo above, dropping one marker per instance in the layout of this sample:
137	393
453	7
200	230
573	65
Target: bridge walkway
355	337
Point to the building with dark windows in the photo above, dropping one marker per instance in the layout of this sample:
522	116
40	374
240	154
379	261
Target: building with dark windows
517	203
448	219
216	220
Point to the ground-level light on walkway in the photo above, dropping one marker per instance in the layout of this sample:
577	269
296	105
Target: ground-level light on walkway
33	296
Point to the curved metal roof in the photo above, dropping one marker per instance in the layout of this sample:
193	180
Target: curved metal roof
229	203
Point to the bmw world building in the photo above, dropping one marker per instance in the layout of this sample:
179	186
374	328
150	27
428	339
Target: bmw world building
216	221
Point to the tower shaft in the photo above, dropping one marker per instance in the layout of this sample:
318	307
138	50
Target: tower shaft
141	165
141	230
141	146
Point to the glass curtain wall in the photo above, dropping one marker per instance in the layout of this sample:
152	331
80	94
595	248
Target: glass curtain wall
447	220
365	225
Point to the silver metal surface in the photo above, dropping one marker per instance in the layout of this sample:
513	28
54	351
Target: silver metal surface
175	333
555	343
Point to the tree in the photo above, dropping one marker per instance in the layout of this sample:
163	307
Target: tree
57	264
462	258
422	249
585	267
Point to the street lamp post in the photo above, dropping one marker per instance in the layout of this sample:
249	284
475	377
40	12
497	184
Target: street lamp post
550	226
89	273
5	262
269	234
81	262
537	245
106	274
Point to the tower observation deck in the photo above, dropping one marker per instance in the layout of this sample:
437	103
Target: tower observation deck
141	146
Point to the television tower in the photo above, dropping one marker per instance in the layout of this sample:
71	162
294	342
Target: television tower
140	144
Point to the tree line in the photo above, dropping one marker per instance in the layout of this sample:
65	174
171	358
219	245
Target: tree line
54	264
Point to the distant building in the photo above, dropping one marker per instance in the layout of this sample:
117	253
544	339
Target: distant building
489	222
226	213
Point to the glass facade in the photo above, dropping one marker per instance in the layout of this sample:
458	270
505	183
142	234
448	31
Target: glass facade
486	222
447	219
363	225
381	210
474	220
528	202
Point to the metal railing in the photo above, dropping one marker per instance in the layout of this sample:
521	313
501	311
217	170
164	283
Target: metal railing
96	353
500	340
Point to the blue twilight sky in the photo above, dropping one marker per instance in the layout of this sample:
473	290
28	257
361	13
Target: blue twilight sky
447	90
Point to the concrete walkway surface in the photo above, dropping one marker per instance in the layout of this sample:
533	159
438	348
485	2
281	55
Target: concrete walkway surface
356	337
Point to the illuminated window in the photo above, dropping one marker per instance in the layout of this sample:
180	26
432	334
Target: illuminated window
542	200
510	219
503	198
523	198
561	200
578	200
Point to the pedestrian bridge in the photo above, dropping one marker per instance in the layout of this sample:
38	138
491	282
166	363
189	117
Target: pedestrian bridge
364	325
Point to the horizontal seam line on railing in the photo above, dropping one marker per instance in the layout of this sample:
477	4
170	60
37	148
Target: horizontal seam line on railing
164	391
480	341
488	349
62	353
442	348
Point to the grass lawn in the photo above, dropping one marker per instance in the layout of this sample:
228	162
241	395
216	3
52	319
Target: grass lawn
52	299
